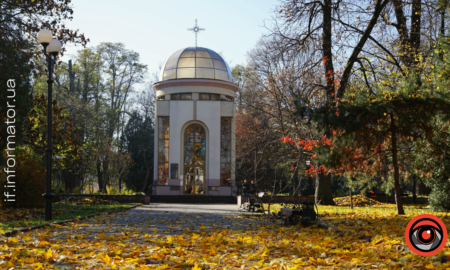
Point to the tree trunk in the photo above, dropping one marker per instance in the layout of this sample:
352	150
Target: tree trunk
71	78
295	180
442	28
147	175
327	49
398	193
323	194
421	189
351	199
99	177
415	28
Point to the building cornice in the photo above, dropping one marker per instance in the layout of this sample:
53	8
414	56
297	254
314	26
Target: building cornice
195	82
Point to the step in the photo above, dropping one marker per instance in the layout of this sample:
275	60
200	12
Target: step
195	199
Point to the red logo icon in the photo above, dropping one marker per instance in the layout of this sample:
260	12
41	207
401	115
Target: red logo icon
426	235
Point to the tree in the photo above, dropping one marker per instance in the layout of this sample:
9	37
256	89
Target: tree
15	54
359	46
121	72
32	16
65	142
367	130
432	161
137	139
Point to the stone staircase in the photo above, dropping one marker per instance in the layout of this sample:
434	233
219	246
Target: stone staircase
194	199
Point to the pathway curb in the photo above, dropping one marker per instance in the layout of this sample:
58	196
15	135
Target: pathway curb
13	232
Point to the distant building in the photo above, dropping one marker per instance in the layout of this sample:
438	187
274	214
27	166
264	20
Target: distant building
195	131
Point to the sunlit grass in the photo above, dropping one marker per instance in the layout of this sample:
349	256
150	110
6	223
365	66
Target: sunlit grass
65	212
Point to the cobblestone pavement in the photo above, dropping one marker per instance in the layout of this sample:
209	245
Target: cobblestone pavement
167	219
161	220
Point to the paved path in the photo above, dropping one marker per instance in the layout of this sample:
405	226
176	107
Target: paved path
149	236
168	219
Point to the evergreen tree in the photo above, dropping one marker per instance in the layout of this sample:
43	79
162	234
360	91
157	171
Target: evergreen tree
432	160
138	140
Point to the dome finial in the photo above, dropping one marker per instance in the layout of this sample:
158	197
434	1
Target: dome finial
196	29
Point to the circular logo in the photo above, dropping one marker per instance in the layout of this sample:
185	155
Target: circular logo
426	235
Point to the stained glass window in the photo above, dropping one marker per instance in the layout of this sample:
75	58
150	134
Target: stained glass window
186	96
225	98
225	151
195	145
194	159
163	150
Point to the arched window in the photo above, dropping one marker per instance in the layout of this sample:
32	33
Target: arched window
194	159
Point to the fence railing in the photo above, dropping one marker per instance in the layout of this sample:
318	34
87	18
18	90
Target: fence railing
293	199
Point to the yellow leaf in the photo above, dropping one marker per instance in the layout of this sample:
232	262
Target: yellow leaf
169	240
260	263
38	265
13	240
196	267
195	236
264	254
48	255
106	259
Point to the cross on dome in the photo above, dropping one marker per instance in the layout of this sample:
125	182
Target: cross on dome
196	29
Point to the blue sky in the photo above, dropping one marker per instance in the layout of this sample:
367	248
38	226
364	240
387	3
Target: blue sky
156	29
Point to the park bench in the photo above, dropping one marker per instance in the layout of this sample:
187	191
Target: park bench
253	204
304	212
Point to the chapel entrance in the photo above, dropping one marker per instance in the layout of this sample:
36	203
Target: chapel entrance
194	160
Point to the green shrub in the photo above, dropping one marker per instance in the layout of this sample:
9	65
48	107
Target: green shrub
439	197
112	190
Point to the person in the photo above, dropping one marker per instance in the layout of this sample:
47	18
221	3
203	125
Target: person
252	188
245	188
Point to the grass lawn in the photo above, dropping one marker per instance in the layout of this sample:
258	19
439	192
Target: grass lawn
11	219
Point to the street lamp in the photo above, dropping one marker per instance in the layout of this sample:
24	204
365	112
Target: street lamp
53	47
308	163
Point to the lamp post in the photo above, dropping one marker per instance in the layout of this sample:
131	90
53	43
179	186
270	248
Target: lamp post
53	47
308	163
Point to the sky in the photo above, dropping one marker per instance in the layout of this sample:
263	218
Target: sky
158	28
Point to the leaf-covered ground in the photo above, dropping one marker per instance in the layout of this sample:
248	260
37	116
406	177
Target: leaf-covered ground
215	237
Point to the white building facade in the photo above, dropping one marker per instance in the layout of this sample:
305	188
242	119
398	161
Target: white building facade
195	125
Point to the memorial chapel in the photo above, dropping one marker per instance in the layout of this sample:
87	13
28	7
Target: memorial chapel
195	125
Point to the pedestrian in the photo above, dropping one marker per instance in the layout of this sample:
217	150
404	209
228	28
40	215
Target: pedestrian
252	188
245	188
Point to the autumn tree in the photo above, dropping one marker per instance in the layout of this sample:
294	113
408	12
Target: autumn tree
367	45
31	16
